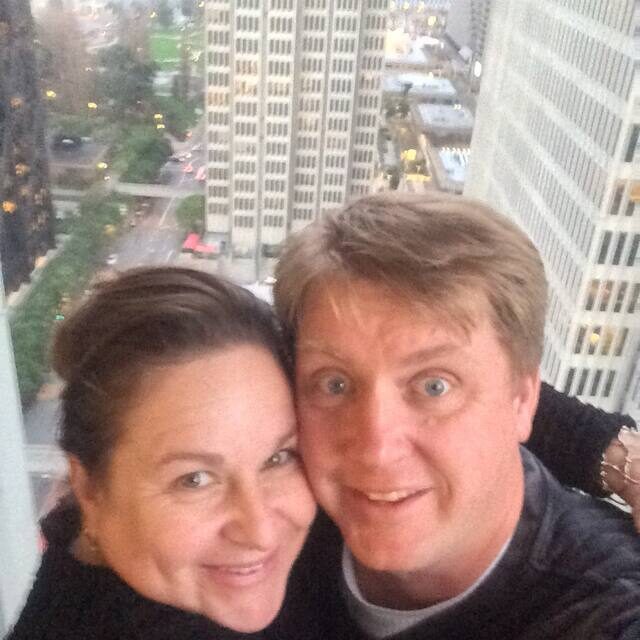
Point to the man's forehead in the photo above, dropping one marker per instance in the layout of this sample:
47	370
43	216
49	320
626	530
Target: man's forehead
351	300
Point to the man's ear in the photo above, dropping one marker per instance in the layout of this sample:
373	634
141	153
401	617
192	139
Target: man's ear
527	392
85	492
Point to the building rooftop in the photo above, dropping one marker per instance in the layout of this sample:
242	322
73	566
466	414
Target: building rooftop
422	85
442	116
455	161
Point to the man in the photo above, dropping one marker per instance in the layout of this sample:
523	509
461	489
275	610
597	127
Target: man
419	332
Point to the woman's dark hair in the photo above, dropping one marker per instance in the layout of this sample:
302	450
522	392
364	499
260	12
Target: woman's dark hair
144	318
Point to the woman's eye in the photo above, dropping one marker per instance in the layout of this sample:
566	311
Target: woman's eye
435	387
334	385
195	480
282	457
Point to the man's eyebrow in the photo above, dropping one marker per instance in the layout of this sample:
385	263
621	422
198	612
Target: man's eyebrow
447	348
317	346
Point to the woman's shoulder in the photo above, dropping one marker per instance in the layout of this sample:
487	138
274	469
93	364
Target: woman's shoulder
71	600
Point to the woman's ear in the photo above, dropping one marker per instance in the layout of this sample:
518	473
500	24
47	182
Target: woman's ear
84	490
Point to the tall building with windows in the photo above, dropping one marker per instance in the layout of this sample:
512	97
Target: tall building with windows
556	147
467	25
292	103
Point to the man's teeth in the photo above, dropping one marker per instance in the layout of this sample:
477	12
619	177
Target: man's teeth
391	496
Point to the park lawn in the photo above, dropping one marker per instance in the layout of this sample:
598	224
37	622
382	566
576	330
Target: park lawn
163	45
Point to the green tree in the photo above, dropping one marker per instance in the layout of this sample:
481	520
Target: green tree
141	152
125	84
190	214
165	13
63	278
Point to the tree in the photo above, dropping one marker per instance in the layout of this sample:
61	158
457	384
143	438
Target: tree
186	6
66	68
142	153
190	214
125	84
165	13
133	27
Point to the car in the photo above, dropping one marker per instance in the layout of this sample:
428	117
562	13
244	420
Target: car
112	259
175	158
197	147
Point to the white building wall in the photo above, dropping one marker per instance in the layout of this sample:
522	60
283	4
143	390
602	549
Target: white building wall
293	100
554	147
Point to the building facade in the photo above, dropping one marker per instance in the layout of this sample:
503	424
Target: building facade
292	104
467	25
555	146
26	212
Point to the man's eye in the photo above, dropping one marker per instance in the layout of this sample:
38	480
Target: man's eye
195	480
282	457
435	387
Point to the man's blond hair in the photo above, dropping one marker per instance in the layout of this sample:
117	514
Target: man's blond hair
438	251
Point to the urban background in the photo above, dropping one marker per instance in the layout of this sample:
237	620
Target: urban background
204	132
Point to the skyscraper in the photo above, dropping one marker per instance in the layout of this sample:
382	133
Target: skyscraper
293	100
467	25
556	147
26	212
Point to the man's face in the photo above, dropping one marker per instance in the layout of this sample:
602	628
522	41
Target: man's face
410	429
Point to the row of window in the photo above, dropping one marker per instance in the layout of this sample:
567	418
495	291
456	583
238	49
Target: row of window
280	109
244	184
280	46
590	382
616	15
607	295
249	23
624	251
616	202
270	220
302	214
598	340
272	166
583	110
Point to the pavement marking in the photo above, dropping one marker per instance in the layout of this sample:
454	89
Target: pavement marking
170	254
166	211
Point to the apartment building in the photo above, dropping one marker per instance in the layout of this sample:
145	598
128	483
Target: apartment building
292	105
556	147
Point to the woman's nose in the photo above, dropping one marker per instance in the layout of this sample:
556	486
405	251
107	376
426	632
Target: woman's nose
251	522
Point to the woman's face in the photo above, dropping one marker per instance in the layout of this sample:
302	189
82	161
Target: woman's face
205	505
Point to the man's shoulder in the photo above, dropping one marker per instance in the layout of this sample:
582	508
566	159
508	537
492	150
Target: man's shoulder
585	538
583	563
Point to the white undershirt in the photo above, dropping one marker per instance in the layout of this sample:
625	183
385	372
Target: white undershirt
381	622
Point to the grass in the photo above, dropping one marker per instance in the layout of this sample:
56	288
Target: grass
164	46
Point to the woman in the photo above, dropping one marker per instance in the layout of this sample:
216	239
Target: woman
190	504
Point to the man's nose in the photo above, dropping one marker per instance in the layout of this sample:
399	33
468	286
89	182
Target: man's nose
377	428
251	521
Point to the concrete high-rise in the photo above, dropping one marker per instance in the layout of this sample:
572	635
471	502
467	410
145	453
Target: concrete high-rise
292	101
467	25
556	147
